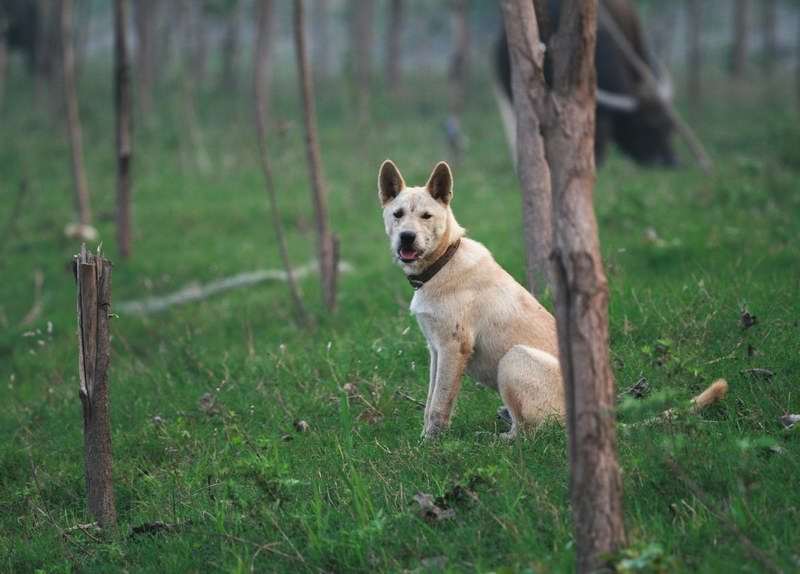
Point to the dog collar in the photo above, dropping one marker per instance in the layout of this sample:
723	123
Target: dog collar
417	281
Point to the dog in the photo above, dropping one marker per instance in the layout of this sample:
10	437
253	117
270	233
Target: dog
476	318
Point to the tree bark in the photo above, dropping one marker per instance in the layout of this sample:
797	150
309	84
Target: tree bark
394	36
93	275
122	105
739	69
145	30
73	117
580	292
529	94
693	65
361	36
328	243
263	57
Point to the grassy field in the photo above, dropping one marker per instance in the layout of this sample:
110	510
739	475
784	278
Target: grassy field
685	253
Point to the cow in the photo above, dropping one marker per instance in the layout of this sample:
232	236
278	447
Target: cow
627	111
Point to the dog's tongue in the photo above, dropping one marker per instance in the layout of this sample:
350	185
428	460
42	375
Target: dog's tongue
408	254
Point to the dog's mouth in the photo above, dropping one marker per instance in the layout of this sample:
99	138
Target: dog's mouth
408	255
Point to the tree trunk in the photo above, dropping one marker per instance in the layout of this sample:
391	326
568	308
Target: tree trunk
122	104
262	62
580	292
362	55
529	93
230	50
73	118
693	64
145	30
394	36
739	41
459	69
768	33
328	243
93	275
3	62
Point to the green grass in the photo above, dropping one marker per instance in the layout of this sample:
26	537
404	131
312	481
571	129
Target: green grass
251	492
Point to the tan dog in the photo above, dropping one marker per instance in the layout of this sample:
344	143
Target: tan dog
475	316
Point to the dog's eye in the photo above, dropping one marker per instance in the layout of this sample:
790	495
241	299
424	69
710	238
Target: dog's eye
398	214
426	215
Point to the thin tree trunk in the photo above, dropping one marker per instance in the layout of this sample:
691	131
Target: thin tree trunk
145	24
93	275
580	292
693	65
394	35
362	55
200	43
73	118
263	56
768	33
189	89
3	62
230	50
122	104
740	41
328	243
459	69
529	93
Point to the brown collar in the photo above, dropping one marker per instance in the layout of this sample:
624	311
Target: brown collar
417	281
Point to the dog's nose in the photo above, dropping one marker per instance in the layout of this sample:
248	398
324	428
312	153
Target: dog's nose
407	237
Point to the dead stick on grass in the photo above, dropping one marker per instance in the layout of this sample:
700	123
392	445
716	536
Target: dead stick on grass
62	536
726	521
399	392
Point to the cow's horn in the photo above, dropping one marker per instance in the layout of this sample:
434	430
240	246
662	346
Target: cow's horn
618	102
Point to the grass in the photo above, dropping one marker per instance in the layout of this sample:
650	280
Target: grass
248	491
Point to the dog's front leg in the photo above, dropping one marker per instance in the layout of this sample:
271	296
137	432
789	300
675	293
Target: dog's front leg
431	384
450	364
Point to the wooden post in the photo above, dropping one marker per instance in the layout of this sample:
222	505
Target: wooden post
93	276
580	293
122	105
529	91
327	241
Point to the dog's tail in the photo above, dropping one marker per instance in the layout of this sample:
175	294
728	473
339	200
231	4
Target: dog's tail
712	394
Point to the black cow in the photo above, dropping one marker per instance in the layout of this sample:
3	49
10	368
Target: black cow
627	111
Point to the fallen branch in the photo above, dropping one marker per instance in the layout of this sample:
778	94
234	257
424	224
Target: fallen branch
196	292
650	80
409	398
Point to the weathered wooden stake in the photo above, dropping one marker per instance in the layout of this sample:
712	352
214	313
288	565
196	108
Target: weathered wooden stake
93	276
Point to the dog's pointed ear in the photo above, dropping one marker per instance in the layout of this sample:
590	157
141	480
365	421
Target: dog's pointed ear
440	183
390	182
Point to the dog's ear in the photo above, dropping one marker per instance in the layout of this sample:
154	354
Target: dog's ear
390	182
440	183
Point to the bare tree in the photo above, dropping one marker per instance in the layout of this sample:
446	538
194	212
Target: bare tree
459	71
394	35
768	33
328	243
529	94
739	68
122	104
693	64
3	58
263	58
361	37
145	31
93	276
580	287
322	40
73	117
231	47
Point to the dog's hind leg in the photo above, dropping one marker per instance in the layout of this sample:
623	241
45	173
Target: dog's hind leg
529	382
